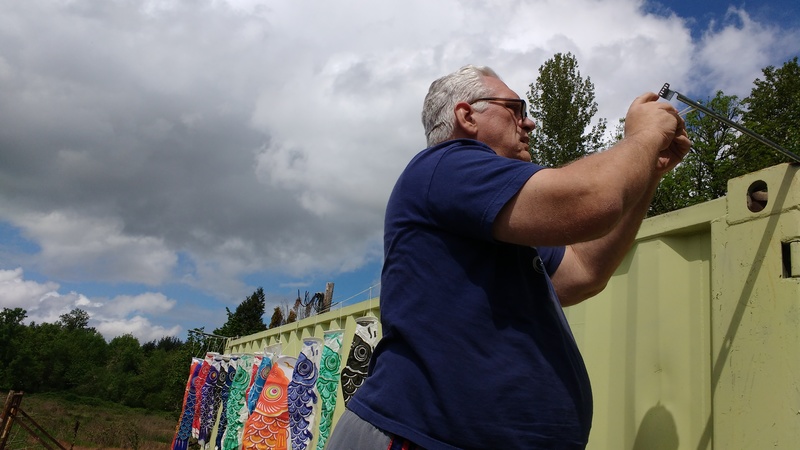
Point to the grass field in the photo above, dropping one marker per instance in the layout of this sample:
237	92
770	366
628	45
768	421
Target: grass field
100	424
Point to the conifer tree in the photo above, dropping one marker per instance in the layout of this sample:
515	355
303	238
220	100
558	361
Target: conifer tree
248	318
562	105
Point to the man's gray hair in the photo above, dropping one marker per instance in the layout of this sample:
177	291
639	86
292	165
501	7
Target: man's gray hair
464	85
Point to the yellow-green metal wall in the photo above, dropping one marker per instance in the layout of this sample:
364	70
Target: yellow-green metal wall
695	342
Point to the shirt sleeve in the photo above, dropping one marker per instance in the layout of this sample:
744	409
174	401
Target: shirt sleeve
551	257
470	185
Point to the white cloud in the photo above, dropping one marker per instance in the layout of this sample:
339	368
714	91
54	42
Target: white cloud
79	247
733	51
207	143
153	303
16	291
138	326
120	315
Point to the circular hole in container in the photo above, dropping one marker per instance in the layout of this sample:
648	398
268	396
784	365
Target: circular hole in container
757	196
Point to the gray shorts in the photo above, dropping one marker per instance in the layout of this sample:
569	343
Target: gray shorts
353	432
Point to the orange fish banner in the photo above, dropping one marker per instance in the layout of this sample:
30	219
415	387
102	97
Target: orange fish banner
268	426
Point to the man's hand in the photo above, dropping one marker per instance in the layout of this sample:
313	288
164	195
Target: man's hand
674	154
659	122
653	120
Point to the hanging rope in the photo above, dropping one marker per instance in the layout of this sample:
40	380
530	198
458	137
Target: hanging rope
212	342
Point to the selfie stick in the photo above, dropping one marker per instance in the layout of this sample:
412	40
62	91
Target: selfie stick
667	94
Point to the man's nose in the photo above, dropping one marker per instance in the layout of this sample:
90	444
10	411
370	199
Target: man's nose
528	124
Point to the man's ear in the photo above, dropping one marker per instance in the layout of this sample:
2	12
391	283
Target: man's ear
465	125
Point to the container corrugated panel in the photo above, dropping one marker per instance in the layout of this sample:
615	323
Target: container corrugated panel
695	343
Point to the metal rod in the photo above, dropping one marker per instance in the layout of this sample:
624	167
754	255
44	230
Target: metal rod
667	94
196	331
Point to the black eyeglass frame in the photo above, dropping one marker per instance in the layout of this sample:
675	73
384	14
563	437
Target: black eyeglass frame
523	105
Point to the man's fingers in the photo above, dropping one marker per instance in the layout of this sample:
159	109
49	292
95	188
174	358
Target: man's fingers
646	97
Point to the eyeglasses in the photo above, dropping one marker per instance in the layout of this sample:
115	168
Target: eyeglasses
520	108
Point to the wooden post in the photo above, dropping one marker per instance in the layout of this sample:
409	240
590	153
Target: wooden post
326	301
13	413
6	418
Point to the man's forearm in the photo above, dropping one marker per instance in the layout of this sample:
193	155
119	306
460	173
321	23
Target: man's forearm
599	258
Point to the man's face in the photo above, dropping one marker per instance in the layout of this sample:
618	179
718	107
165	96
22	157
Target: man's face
500	126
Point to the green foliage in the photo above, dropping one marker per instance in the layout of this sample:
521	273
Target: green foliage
49	357
73	359
22	369
11	335
773	111
167	343
562	106
75	319
12	317
247	318
125	354
83	345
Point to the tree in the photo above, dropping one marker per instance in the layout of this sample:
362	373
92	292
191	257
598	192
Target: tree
248	317
24	367
10	326
166	343
12	317
562	105
163	379
12	332
67	356
38	361
82	348
124	364
703	175
773	111
277	318
169	343
74	320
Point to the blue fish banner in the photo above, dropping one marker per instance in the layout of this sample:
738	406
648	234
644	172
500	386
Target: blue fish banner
229	372
210	402
303	394
184	431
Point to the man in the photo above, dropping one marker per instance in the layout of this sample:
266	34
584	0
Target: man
482	249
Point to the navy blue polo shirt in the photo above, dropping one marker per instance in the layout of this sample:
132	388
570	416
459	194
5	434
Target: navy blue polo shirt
476	351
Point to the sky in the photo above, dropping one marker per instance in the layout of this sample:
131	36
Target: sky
160	160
